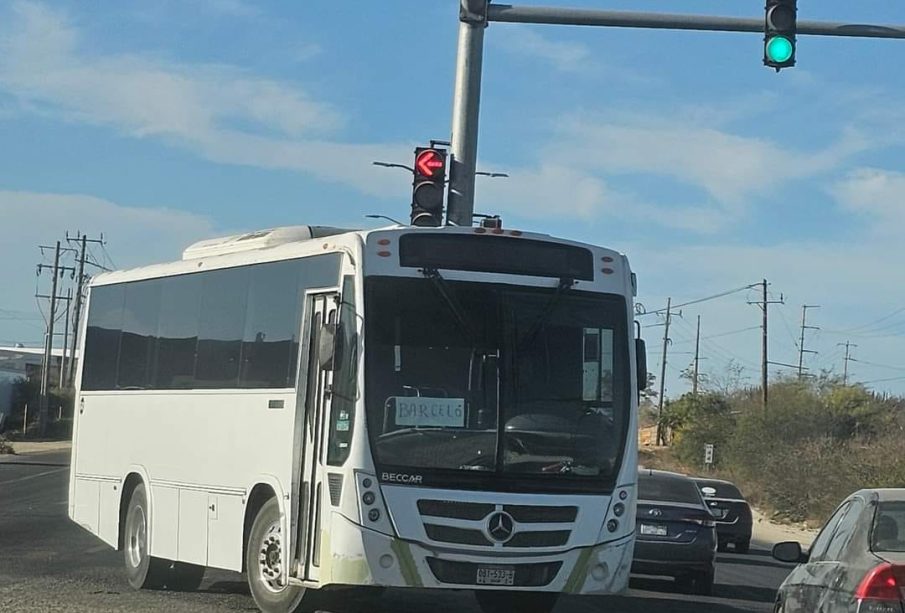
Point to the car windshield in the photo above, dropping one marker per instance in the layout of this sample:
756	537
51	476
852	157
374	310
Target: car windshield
663	488
889	527
476	378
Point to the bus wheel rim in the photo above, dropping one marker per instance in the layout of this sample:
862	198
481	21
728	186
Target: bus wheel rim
138	537
270	563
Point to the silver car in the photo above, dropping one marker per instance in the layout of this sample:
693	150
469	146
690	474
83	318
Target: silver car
857	562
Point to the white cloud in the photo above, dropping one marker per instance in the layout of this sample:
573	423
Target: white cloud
730	168
876	194
232	8
523	41
42	62
136	236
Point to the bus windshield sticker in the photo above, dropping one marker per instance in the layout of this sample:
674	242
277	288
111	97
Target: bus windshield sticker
415	411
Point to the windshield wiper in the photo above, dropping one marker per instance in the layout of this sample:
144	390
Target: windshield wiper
562	287
455	308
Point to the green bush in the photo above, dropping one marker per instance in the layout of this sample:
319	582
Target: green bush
5	446
818	442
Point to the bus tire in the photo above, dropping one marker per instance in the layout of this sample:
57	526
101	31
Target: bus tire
142	571
185	577
512	602
263	558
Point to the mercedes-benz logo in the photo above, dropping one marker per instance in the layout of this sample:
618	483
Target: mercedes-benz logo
500	526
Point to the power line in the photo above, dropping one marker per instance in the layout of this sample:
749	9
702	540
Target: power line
877	365
870	324
883	380
699	300
721	334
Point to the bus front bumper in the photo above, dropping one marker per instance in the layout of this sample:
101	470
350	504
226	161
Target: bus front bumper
353	555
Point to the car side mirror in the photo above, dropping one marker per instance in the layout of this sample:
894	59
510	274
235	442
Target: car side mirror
641	363
789	552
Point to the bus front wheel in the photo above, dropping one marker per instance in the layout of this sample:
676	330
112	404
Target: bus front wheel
142	570
264	564
510	602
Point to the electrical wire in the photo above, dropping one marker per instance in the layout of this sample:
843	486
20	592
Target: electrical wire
699	300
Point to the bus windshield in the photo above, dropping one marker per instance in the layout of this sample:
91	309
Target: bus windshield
480	381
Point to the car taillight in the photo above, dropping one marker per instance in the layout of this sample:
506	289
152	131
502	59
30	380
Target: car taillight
707	522
881	590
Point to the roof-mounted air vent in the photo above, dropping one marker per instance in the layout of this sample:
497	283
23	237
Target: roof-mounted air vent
259	239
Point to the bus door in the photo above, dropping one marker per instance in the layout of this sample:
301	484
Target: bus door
323	312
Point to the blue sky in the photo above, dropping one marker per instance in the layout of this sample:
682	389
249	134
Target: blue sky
162	123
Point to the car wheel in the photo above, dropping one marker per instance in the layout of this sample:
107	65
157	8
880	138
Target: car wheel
743	546
263	562
142	571
512	602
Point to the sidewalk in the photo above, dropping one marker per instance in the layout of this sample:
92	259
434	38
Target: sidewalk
30	447
767	531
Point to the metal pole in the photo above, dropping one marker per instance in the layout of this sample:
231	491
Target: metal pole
661	436
697	349
764	365
78	308
466	105
505	13
43	413
65	339
804	310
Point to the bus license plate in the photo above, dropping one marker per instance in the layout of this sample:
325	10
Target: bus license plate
653	530
496	576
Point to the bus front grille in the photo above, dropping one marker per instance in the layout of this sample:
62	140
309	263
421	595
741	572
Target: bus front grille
467	523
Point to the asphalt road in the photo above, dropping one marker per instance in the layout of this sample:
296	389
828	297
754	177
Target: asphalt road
49	564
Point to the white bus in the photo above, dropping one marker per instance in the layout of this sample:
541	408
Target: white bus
404	407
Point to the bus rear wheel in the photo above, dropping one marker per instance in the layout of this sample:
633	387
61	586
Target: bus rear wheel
512	602
142	571
264	563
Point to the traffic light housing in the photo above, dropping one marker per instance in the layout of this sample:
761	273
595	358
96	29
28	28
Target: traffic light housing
780	27
428	186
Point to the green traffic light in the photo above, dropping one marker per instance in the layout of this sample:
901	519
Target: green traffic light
780	49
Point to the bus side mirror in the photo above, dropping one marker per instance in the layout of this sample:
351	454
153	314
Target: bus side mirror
641	363
331	347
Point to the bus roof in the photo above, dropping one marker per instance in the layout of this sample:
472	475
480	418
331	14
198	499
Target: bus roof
282	243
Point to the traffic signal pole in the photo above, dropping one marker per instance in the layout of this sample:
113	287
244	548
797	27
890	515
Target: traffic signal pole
474	15
466	105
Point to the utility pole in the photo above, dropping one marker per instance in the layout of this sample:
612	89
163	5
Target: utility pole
661	435
82	240
697	357
65	339
764	303
804	326
848	345
44	408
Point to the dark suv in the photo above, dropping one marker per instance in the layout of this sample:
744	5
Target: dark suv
674	531
731	512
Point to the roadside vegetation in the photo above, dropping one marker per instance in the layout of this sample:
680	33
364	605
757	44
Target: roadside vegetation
5	446
818	441
22	421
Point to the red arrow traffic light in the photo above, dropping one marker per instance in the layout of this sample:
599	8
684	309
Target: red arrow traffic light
428	162
428	186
